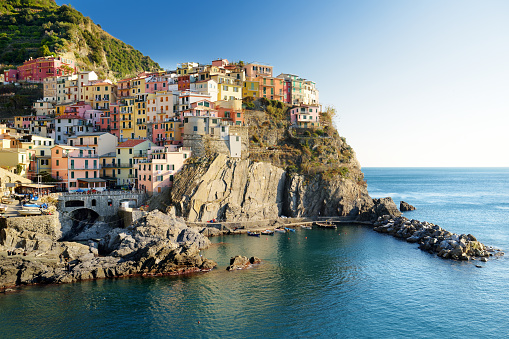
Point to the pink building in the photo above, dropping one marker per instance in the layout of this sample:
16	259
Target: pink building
200	108
159	133
305	116
11	75
104	123
76	167
156	83
157	171
43	67
77	110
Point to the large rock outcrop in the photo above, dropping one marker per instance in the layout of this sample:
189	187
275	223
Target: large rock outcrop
154	245
235	190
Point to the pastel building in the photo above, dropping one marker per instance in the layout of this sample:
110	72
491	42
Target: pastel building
69	125
305	116
206	87
41	158
126	152
50	89
101	142
231	110
24	121
100	94
76	167
157	171
253	70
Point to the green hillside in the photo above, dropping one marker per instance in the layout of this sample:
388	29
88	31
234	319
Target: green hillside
33	28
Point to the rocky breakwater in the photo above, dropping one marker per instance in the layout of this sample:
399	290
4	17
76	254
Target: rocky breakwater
434	239
156	244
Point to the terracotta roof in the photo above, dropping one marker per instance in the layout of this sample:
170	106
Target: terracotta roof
131	142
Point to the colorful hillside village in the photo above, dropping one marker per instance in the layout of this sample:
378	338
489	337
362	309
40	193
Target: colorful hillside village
92	134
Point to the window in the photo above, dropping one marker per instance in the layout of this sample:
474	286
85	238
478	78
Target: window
195	128
238	115
58	162
225	88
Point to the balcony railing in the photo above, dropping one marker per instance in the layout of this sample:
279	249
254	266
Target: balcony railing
84	167
124	165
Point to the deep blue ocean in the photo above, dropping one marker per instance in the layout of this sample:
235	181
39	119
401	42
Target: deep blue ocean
351	282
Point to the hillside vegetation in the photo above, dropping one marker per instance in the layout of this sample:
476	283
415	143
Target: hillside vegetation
298	150
34	28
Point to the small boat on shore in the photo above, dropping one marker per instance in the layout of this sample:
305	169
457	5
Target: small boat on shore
326	225
29	211
268	232
253	234
8	200
3	208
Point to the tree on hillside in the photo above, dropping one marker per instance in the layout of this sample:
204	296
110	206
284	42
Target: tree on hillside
44	51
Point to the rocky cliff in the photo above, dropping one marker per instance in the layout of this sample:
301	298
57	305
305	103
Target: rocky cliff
288	172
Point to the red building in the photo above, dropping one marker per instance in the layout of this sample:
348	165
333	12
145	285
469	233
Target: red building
184	82
41	68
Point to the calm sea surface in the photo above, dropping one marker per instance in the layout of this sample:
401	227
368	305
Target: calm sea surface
351	282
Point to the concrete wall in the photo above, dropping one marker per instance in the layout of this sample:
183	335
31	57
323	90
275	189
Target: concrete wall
102	202
201	145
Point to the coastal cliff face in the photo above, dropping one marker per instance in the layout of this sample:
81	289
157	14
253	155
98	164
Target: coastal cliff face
238	190
287	172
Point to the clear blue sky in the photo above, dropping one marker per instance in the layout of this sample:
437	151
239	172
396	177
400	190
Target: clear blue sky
415	83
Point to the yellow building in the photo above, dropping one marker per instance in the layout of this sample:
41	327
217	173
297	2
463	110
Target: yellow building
100	94
126	152
251	88
140	116
173	131
125	117
229	88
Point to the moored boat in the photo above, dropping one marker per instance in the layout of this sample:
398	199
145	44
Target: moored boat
326	225
268	232
253	234
289	229
306	227
280	230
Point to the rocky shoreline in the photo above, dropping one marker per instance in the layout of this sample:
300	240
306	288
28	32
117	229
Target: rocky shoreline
160	244
157	244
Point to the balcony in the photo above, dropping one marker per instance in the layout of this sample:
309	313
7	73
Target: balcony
108	165
84	168
124	165
83	155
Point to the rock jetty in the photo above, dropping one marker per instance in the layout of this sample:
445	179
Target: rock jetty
156	244
434	239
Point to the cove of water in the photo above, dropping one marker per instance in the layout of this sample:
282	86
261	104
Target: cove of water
350	282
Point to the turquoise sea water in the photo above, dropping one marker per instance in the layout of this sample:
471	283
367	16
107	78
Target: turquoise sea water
351	282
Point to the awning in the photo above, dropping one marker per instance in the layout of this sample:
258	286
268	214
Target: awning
37	186
91	180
